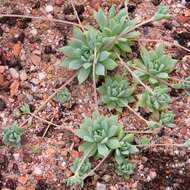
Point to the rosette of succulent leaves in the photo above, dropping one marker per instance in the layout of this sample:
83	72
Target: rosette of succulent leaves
154	66
185	85
95	51
157	103
99	47
12	135
102	136
116	93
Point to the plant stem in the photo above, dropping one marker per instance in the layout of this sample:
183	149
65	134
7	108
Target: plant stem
76	14
139	116
180	80
140	132
97	166
40	18
137	26
84	158
46	101
165	42
137	78
45	132
56	91
50	123
177	145
94	82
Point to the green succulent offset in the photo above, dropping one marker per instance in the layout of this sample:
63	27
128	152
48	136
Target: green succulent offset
80	54
186	85
25	109
167	118
12	136
161	13
63	96
126	148
125	168
114	28
154	65
75	180
156	102
84	169
101	133
116	93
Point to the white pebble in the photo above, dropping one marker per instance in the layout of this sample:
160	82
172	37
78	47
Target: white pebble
14	73
16	156
34	32
41	76
63	164
23	75
49	8
37	171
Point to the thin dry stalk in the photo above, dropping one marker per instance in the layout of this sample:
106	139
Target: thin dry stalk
94	83
76	14
50	97
50	123
165	42
41	18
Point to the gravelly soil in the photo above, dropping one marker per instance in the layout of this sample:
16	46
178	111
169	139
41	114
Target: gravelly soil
28	55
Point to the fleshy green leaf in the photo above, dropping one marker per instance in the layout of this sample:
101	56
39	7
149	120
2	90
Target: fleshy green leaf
25	109
101	18
113	143
161	13
83	75
100	69
104	55
187	143
103	149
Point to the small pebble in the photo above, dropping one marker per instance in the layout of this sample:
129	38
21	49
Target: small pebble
100	186
152	174
34	32
2	69
16	156
41	76
23	75
63	164
37	171
106	178
14	73
35	81
49	8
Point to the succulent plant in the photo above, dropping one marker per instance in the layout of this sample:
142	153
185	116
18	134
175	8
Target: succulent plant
116	93
12	136
187	143
143	140
114	28
25	109
84	169
167	118
63	96
101	133
125	148
80	54
75	180
154	65
158	101
153	124
186	85
125	168
161	13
